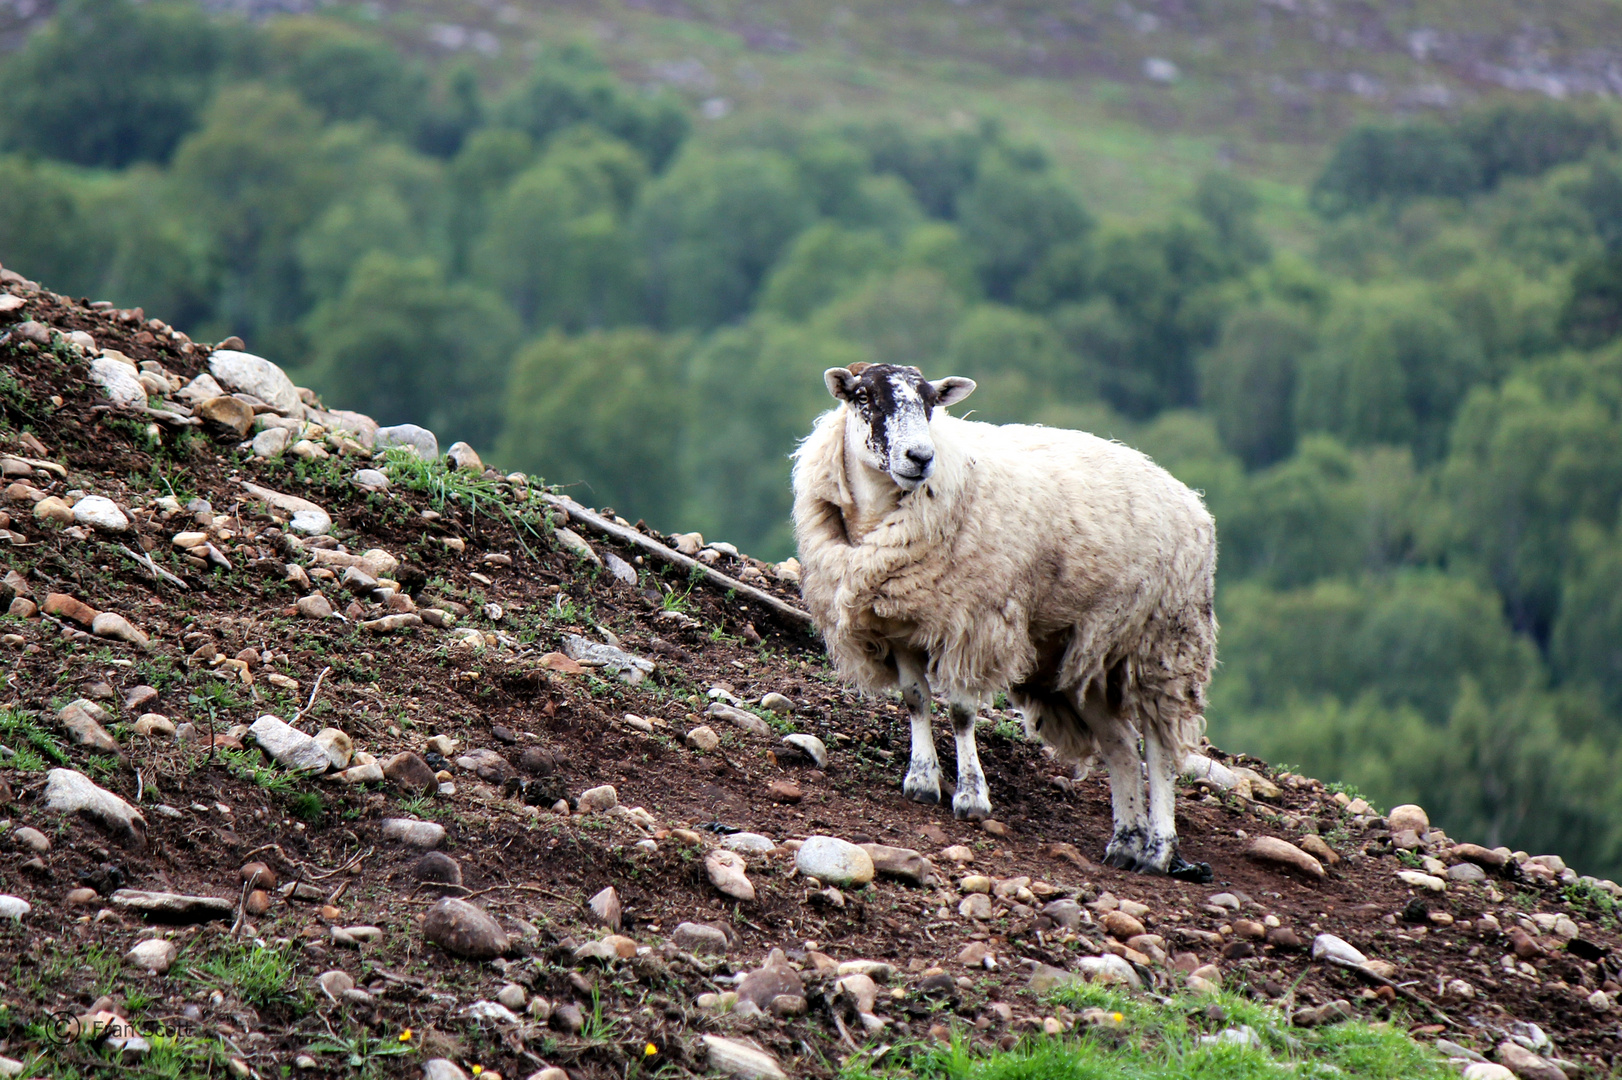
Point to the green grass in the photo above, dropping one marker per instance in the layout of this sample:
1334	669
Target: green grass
1154	1041
35	748
444	485
251	766
258	975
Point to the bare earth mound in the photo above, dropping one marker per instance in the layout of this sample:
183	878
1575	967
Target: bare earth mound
441	616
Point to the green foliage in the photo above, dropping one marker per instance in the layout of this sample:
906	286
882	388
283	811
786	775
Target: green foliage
259	975
34	748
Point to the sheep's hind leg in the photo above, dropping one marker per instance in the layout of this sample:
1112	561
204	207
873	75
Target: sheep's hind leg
1160	854
973	799
923	782
1117	743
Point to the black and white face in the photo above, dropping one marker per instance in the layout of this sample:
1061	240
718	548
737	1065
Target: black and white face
894	405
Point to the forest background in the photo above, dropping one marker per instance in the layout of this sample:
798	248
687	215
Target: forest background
1364	292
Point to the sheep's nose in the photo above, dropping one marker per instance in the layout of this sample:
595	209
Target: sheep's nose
921	456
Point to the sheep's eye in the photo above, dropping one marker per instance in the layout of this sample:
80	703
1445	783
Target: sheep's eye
861	397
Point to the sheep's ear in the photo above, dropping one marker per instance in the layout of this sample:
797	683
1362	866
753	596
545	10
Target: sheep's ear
841	382
952	390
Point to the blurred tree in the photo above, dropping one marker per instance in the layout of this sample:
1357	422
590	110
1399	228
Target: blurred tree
481	171
938	166
712	228
109	82
1530	138
825	262
43	233
1586	645
1248	381
1375	164
347	75
406	346
1013	217
556	246
606	410
1229	204
1016	358
571	86
904	318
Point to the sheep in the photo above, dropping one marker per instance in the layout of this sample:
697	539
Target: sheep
1068	570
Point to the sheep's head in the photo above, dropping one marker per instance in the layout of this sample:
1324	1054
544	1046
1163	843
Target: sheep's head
894	405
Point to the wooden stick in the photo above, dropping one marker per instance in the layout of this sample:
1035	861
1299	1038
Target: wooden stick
1402	991
658	550
158	572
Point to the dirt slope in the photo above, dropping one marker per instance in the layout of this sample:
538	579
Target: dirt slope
229	644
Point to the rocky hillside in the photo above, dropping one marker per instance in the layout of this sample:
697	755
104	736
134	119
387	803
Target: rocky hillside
323	753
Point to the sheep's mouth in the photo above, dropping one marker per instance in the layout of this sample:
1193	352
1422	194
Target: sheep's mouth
909	480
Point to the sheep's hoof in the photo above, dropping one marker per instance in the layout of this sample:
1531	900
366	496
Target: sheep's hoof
1197	873
1125	852
966	807
921	789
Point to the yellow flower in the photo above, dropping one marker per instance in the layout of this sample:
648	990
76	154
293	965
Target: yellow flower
477	1069
1117	1017
405	1036
649	1050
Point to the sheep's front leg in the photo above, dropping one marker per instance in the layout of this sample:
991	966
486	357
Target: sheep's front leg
973	798
923	782
1160	854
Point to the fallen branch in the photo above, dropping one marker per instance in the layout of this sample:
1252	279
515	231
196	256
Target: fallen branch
669	555
158	572
1402	991
300	714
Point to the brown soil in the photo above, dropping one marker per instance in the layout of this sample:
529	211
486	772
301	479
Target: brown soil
522	862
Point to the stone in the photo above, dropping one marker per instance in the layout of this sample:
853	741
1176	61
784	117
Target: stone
70	792
1420	880
442	1069
738	718
1475	853
371	479
1468	873
271	442
622	570
901	863
748	841
66	607
775	977
14	907
833	861
615	661
53	511
1408	816
975	906
174	907
460	928
570	541
248	374
413	833
33	840
437	868
1121	926
288	746
417	439
110	624
119	382
1065	913
464	457
605	908
314	606
727	872
784	791
409	772
153	955
78	719
809	745
1527	1065
231	417
101	513
1319	849
598	799
81	897
1487	1070
1336	950
703	739
487	765
1276	852
958	853
338	745
307	517
741	1060
699	939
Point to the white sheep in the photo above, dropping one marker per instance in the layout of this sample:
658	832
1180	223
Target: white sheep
1066	569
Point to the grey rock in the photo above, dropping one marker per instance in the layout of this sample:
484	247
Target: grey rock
598	799
571	541
79	719
110	624
460	928
464	457
419	439
699	939
833	861
621	569
777	703
288	746
417	834
738	718
488	765
248	374
307	517
588	653
33	840
437	868
337	744
1466	872
14	907
442	1069
100	512
154	955
902	863
1334	949
314	606
512	996
810	746
119	382
741	1060
773	978
748	841
70	792
605	908
371	478
200	389
271	442
1065	913
174	907
410	773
